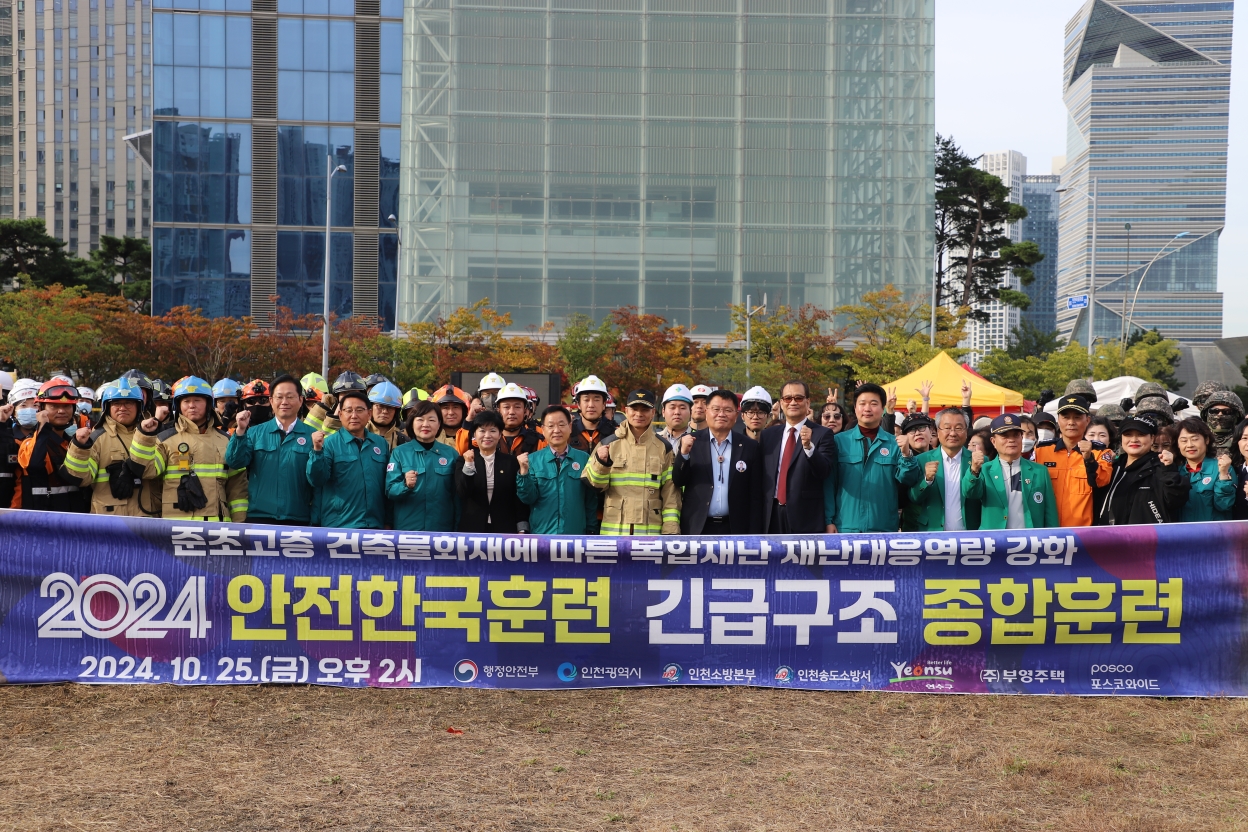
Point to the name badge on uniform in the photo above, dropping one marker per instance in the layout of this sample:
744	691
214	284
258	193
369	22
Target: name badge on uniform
883	451
1038	497
1207	480
302	440
377	450
576	466
441	460
741	465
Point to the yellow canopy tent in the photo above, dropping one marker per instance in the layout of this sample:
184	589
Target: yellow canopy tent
947	376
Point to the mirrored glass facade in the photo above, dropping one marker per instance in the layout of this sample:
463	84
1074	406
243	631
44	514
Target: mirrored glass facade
253	97
576	156
1148	96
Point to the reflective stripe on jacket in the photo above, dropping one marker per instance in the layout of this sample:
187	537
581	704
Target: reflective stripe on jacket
640	495
183	449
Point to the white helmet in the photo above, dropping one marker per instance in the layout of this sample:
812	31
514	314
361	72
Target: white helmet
589	384
23	389
7	380
86	393
678	393
757	394
512	391
492	381
701	391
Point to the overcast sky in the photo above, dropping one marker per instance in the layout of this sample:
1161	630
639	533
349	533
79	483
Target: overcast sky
998	87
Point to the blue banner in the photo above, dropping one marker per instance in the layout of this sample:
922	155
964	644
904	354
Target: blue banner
1144	610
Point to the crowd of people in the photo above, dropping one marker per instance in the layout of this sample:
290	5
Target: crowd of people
360	453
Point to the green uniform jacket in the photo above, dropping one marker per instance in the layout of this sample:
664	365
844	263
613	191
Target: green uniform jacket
349	476
432	504
863	496
1210	497
987	490
277	465
928	498
562	502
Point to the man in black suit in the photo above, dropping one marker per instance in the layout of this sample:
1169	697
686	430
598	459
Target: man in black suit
798	455
721	473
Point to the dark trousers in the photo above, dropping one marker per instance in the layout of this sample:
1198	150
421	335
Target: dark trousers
715	526
779	519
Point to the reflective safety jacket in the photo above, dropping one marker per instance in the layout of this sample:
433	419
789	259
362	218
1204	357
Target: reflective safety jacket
349	476
393	435
432	504
45	484
1073	478
318	418
277	471
527	441
182	450
102	463
640	495
562	502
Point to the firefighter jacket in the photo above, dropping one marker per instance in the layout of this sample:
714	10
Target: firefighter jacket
393	435
100	461
45	485
458	438
1074	478
527	441
640	495
10	472
173	455
585	438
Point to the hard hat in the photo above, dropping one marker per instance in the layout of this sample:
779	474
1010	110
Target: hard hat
190	386
256	389
375	379
348	382
412	397
511	391
701	391
757	394
450	394
86	394
492	381
678	393
121	390
531	395
56	390
610	401
589	384
314	381
23	389
226	388
386	394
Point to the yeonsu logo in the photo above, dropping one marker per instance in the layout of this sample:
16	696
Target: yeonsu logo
911	673
105	606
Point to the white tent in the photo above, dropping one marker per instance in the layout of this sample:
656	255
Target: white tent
1116	389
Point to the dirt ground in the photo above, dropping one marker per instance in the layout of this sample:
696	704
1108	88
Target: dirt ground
269	758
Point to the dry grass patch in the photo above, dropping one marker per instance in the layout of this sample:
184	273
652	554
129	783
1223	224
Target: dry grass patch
248	758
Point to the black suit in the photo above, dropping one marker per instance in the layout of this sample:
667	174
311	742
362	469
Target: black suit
744	478
804	505
504	511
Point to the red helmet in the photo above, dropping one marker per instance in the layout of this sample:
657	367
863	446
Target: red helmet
256	389
531	395
57	390
610	402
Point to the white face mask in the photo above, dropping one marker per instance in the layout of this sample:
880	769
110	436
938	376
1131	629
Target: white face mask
1045	435
84	408
27	416
1028	444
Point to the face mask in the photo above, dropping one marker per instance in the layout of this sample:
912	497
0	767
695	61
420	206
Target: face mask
229	410
27	417
1044	435
84	408
260	413
1028	444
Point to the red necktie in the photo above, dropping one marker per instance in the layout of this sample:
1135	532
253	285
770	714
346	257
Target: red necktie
790	453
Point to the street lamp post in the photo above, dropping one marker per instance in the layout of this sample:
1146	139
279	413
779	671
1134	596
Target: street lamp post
330	171
1092	275
750	311
1140	283
1123	315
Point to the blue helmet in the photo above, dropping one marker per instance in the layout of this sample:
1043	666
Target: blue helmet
387	394
191	386
121	390
226	388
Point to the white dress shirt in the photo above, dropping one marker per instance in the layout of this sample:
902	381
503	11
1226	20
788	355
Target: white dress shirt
951	466
784	441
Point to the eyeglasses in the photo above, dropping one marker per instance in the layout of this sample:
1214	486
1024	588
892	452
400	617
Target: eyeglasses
722	411
953	429
760	411
792	399
1221	411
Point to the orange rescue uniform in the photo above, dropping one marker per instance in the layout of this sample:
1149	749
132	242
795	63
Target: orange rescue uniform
1073	478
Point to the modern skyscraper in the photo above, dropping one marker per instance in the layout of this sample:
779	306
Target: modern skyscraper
1010	167
83	83
675	155
251	98
1147	88
1041	200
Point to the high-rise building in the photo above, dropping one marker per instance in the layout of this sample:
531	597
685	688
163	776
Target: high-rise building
1147	88
252	98
83	83
1010	167
674	155
1041	200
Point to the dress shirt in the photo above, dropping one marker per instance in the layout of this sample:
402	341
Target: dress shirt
719	482
952	468
784	441
1012	473
471	469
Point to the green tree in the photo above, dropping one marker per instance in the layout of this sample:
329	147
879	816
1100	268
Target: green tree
890	335
30	257
123	265
1030	341
585	348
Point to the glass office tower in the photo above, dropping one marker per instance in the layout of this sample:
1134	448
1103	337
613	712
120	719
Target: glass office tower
575	156
1147	89
251	97
1041	199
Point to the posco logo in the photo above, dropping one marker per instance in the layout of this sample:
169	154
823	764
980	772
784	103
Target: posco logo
1113	668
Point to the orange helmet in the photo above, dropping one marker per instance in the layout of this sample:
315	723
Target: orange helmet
58	389
256	389
450	394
